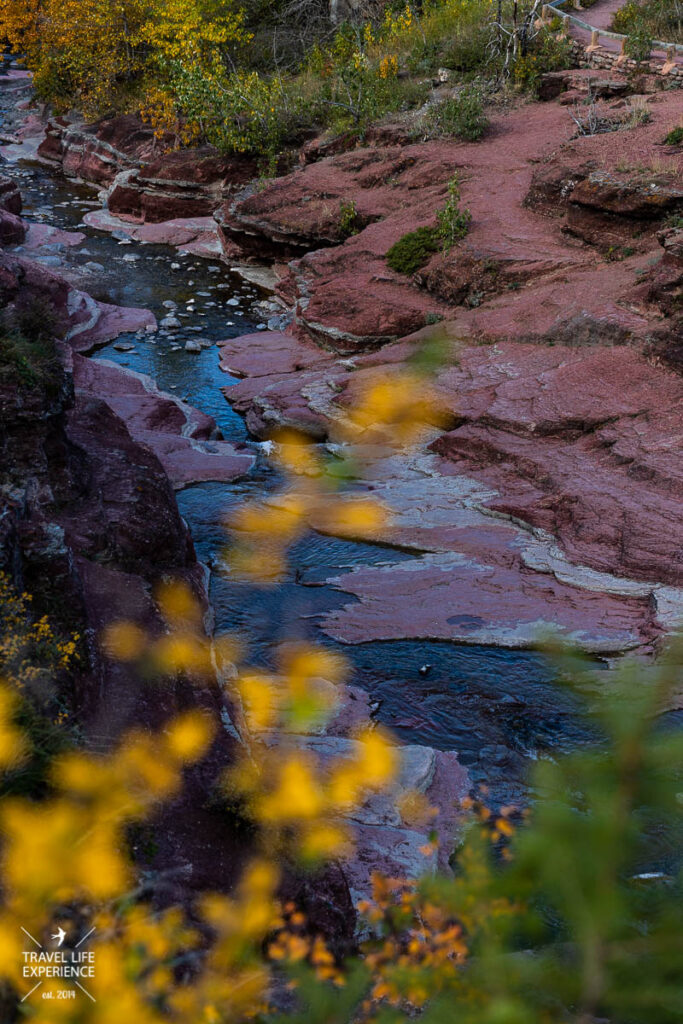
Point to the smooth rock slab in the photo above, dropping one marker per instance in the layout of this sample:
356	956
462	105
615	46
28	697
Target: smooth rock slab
180	436
447	596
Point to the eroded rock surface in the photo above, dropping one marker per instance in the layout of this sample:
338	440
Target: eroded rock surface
552	503
186	441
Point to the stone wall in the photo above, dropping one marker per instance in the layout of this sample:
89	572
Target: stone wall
609	61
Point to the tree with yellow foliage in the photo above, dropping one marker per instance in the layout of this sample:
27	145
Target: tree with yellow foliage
101	54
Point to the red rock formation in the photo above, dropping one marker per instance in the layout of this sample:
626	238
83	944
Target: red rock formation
150	183
187	183
10	196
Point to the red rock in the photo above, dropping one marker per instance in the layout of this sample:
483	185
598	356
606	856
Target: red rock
184	439
182	184
97	152
10	196
38	235
454	598
83	321
277	368
150	182
345	295
23	280
608	212
580	442
12	229
95	323
583	444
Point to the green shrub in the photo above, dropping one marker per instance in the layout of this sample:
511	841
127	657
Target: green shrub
462	116
546	53
639	44
348	217
658	19
412	251
453	223
675	137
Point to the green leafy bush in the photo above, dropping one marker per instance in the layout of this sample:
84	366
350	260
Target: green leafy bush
462	116
639	44
547	52
412	251
28	357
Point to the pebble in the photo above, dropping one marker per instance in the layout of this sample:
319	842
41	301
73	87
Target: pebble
130	257
233	302
169	304
193	345
95	268
170	321
175	266
124	346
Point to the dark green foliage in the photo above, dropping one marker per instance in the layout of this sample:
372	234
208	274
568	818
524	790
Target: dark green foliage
675	137
412	251
547	52
27	351
639	44
349	221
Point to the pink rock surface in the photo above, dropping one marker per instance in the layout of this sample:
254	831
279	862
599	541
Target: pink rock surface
586	444
452	597
277	368
182	438
184	183
513	264
396	190
95	323
10	196
583	443
12	228
188	233
38	235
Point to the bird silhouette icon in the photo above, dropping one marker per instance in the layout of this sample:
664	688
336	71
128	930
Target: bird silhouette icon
60	936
